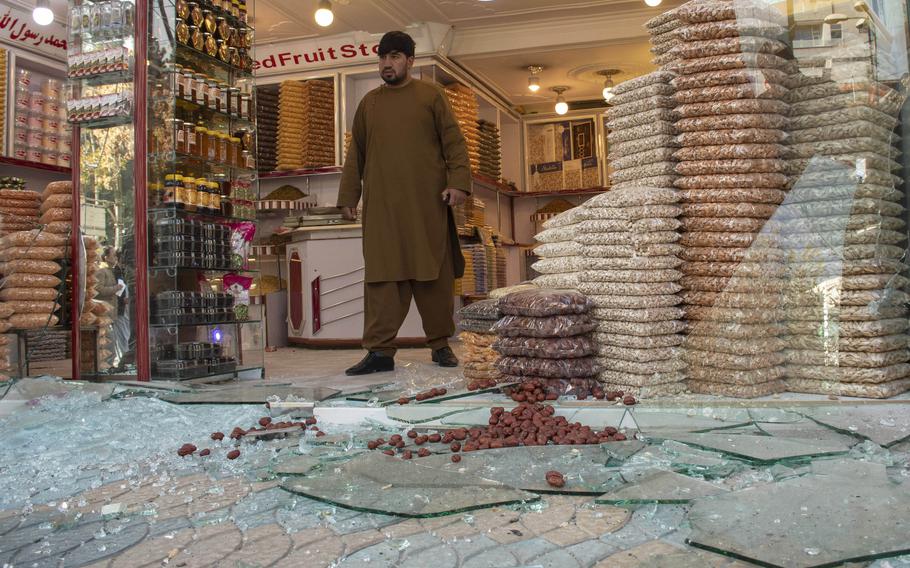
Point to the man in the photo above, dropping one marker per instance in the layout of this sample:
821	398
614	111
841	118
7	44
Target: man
410	155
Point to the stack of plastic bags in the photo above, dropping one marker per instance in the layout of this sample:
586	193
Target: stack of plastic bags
630	256
475	325
544	336
306	124
490	150
19	207
663	38
267	128
29	288
843	231
466	109
641	119
560	256
732	121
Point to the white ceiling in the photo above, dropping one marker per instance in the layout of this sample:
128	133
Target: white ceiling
498	39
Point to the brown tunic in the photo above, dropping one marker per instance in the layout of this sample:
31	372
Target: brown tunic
407	148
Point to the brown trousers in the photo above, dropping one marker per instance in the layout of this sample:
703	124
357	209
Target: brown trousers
386	305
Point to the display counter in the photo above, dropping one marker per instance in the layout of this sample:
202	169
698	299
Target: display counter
325	289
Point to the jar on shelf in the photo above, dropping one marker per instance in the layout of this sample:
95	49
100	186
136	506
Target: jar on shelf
223	143
64	144
209	24
178	83
202	141
214	198
195	14
214	89
248	161
51	108
20	151
49	158
203	197
35	121
197	40
232	101
235	8
65	159
23	79
188	81
212	153
189	130
211	46
23	98
49	142
20	136
183	9
179	135
234	56
234	149
174	191
35	138
51	89
20	120
192	193
200	88
246	106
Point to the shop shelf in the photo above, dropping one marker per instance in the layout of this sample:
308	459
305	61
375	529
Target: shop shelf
204	110
193	57
203	378
282	204
35	165
171	212
174	268
105	122
98	79
319	171
204	324
179	157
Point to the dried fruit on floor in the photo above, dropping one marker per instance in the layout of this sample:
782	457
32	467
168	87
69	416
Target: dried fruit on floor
217	435
403	400
265	421
423	452
205	452
456	458
555	479
629	400
233	454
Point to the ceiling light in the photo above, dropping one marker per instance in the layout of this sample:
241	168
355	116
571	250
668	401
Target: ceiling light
608	83
653	3
562	107
42	13
534	80
324	15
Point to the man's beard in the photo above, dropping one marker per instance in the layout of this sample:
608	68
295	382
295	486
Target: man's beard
395	79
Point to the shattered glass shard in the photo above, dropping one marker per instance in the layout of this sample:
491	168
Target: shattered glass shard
297	465
827	518
526	467
423	413
806	430
884	424
249	394
653	422
760	449
619	452
661	487
378	483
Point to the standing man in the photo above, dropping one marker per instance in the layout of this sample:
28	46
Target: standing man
409	160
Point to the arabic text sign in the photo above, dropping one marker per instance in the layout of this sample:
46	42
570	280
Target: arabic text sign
17	30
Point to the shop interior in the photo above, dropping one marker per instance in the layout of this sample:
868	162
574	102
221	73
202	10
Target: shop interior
682	326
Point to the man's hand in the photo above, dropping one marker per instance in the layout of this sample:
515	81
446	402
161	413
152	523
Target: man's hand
349	213
454	196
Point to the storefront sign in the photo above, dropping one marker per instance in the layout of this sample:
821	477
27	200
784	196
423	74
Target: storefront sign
340	50
18	30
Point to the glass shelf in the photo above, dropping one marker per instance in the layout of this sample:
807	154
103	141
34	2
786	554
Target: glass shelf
164	268
104	122
171	212
237	371
109	78
191	57
205	324
184	159
209	113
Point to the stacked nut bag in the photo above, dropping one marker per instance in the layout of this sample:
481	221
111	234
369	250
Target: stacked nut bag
663	38
560	260
476	321
843	231
19	207
630	257
466	109
306	124
732	122
490	151
641	122
30	288
544	337
267	128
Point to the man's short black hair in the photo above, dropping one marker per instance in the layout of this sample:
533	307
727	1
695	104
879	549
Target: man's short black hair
397	41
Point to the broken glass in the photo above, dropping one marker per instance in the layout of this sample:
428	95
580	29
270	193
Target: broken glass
884	424
297	465
829	517
761	449
661	487
526	467
417	414
249	394
805	430
653	422
378	483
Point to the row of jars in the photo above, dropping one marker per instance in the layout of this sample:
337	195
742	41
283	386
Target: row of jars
44	140
211	93
212	145
209	196
234	8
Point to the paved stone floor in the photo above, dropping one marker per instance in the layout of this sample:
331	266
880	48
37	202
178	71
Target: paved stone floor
141	506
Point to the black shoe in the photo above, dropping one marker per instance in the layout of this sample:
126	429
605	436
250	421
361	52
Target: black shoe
372	363
444	357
